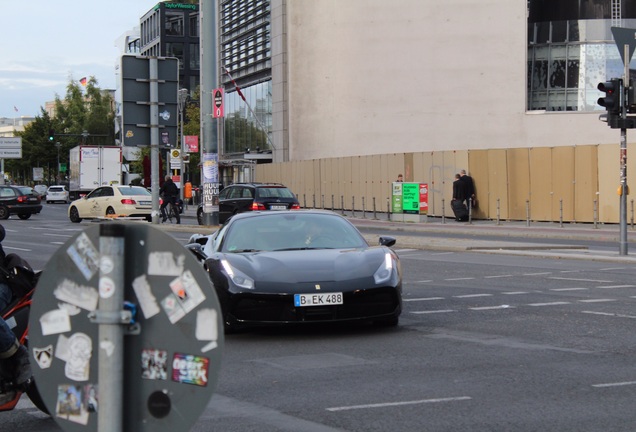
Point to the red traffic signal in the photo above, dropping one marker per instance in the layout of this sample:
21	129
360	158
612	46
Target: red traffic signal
612	99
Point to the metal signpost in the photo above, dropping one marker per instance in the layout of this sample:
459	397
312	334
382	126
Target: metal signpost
125	332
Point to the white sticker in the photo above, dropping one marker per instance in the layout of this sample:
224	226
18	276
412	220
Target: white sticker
106	287
207	329
76	351
165	264
147	301
54	322
79	295
72	310
107	346
187	291
43	356
84	255
172	308
106	264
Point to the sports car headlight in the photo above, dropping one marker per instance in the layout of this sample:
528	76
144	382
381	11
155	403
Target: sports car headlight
383	273
239	278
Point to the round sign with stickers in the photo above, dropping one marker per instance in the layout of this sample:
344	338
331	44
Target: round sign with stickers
172	346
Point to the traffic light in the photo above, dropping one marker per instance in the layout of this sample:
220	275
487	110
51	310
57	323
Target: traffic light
612	100
631	98
51	135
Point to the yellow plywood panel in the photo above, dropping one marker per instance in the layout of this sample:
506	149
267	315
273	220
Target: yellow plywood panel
585	182
386	176
408	168
541	191
377	185
427	176
563	168
478	170
498	184
608	182
518	182
438	187
355	182
365	181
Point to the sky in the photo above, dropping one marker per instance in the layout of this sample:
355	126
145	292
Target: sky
47	43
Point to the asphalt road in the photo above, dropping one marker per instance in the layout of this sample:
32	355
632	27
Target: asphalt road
487	342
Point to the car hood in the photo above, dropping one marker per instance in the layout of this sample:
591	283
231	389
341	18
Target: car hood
303	266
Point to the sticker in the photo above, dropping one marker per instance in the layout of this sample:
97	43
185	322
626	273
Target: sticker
69	404
187	291
91	398
107	346
54	322
70	309
79	295
84	255
106	287
154	364
159	404
172	308
147	301
164	264
76	351
106	264
190	369
43	356
207	329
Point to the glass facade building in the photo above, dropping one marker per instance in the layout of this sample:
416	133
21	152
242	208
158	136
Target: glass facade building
571	49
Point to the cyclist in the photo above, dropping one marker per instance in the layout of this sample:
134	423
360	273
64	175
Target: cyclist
169	192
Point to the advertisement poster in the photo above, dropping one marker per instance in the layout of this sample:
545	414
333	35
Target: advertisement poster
409	198
396	198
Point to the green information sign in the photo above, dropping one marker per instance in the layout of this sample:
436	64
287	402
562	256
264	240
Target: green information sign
411	198
396	198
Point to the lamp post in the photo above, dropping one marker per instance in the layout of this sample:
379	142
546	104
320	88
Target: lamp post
181	101
57	172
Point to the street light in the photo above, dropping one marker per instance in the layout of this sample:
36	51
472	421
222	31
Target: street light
57	174
181	102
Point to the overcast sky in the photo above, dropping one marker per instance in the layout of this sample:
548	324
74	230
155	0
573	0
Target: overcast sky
48	42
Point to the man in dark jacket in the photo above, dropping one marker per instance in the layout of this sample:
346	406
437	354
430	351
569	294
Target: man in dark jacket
469	186
169	192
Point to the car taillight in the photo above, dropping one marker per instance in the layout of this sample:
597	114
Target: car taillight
23	199
258	206
294	207
128	201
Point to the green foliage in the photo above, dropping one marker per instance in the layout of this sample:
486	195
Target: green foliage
84	116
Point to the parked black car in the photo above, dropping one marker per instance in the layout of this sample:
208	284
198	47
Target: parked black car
243	197
20	200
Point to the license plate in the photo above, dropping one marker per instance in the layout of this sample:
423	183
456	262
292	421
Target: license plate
322	299
144	202
278	207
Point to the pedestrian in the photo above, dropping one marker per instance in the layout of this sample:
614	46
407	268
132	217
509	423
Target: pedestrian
400	178
169	193
469	185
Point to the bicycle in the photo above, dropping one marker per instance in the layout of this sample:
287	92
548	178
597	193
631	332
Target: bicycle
172	212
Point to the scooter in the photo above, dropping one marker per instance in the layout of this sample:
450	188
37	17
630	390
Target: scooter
16	314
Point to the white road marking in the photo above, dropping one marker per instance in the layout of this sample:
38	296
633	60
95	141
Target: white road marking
433	312
617	384
615	286
609	314
443	253
390	404
459	279
59	235
15	248
515	292
569	289
492	307
537	274
570	271
612	268
580	280
57	243
549	304
423	299
597	300
405	250
498	276
473	295
424	281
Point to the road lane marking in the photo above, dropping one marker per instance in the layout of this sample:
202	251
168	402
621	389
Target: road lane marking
615	286
434	311
580	280
473	295
537	274
515	292
16	248
597	300
392	404
443	253
58	235
459	279
609	314
423	299
617	384
569	289
491	307
549	304
612	268
498	276
424	281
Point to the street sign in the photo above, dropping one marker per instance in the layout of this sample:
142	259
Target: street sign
11	148
622	37
171	354
135	88
218	109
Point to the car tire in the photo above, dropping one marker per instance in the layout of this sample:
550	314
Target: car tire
74	215
24	216
4	212
110	211
200	216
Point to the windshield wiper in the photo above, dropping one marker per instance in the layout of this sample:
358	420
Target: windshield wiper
245	250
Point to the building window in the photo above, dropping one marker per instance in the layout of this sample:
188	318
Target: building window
174	24
195	58
175	50
194	25
245	127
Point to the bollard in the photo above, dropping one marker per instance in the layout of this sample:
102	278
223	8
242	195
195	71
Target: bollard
364	216
322	201
595	215
470	211
498	213
443	211
332	204
342	204
561	212
304	201
632	212
388	210
353	206
375	217
527	212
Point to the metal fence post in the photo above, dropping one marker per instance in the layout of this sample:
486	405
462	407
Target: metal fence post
353	206
374	214
364	215
342	204
443	211
498	213
527	212
561	212
595	215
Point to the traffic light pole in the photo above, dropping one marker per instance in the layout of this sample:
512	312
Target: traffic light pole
623	186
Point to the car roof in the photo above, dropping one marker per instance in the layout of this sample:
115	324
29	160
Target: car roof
258	185
251	214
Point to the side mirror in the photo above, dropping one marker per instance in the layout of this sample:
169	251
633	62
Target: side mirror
387	241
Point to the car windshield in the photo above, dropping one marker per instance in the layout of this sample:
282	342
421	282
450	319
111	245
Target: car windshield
56	189
278	232
25	190
274	192
133	190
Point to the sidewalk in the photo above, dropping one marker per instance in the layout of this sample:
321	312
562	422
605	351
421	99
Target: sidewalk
413	235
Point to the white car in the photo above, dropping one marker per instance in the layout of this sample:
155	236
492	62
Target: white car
116	200
57	193
41	189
